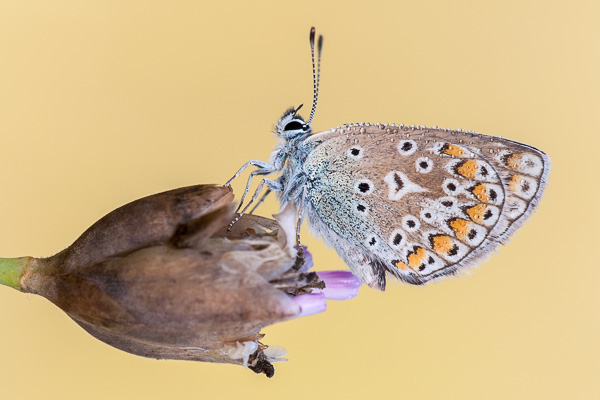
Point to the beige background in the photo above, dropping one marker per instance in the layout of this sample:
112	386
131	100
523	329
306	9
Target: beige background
104	102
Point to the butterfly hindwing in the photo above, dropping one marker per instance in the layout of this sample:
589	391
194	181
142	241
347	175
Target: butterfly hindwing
418	202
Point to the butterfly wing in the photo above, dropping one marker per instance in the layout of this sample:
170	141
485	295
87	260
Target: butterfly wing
419	203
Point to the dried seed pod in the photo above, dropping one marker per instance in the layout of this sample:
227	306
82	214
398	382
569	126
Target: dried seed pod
162	277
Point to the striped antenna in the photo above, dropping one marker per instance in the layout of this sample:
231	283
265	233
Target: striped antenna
317	72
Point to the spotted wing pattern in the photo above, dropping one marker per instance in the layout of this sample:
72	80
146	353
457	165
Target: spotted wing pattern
418	202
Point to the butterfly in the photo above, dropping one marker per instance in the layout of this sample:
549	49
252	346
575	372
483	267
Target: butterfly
415	202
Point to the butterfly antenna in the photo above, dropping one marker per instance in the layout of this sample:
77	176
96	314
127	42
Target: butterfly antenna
316	72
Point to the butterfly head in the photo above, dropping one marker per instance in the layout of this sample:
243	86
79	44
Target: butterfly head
292	125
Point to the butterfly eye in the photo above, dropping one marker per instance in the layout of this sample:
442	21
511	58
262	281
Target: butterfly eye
295	126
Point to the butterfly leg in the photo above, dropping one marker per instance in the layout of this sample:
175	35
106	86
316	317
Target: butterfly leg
264	169
271	184
256	163
300	216
262	199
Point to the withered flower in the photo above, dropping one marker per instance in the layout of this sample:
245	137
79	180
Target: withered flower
162	277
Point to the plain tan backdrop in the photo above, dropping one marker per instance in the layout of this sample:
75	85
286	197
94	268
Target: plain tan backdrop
102	102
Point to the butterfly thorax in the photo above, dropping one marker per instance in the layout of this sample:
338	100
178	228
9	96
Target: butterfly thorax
289	155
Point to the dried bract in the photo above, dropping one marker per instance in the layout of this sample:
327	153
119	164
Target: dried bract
162	277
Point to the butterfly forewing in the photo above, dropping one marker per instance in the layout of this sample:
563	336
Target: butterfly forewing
418	202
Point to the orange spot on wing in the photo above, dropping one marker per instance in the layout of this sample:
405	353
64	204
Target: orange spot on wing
400	265
480	191
442	244
514	160
468	169
417	257
460	227
452	150
514	183
476	212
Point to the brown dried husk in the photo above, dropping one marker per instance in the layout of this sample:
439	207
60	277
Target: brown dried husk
162	277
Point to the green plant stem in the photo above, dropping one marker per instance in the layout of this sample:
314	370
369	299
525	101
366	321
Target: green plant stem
11	270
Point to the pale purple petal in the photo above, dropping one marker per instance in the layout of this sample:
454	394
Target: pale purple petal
339	285
310	303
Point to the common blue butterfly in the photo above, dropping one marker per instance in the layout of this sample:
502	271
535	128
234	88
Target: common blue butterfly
414	201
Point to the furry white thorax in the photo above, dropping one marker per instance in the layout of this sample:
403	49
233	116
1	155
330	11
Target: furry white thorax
289	155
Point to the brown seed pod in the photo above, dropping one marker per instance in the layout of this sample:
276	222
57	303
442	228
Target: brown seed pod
161	277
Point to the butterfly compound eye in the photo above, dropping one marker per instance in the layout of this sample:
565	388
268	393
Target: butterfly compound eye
294	126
